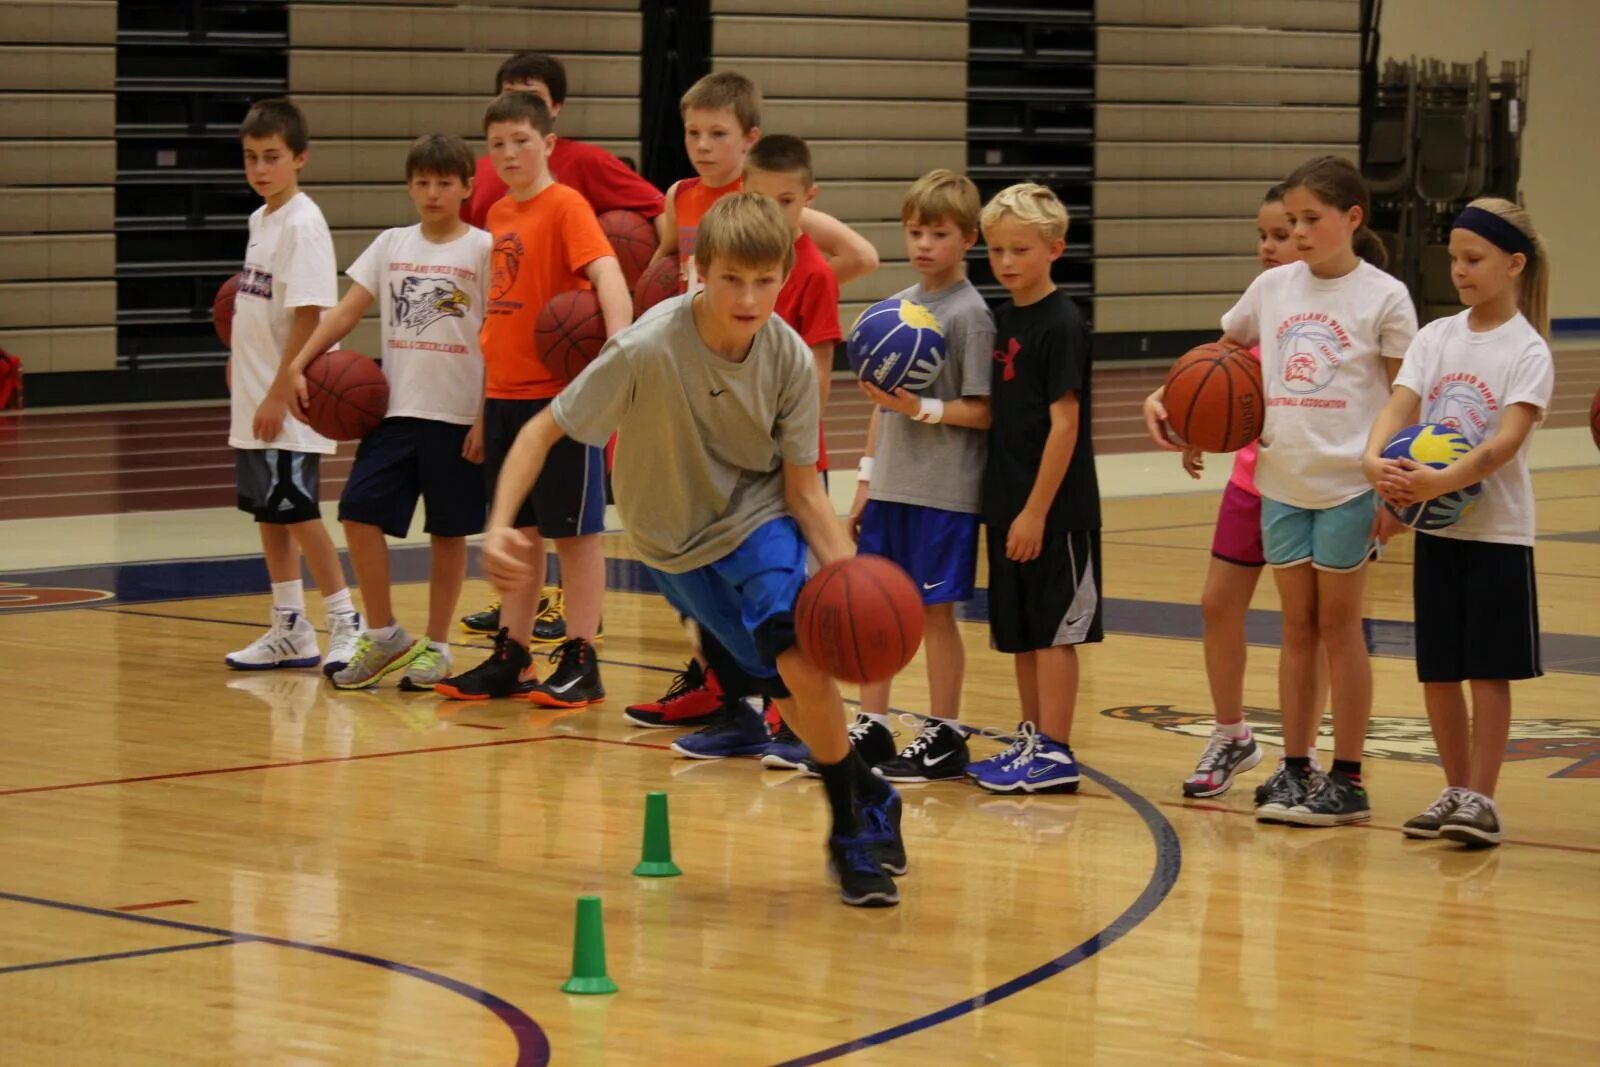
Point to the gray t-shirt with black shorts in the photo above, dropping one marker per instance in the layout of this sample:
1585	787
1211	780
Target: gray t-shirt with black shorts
701	441
930	464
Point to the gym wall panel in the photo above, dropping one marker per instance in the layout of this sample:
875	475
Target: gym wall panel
1201	105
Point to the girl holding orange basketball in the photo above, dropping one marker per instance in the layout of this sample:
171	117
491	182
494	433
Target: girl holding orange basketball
1235	569
1332	327
1487	374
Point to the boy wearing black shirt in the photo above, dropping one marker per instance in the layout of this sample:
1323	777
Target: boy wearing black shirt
1041	500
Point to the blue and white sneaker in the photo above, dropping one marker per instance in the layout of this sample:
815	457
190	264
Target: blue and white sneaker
785	752
738	730
999	759
1043	766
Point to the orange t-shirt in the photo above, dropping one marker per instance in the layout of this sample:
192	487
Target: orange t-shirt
691	201
541	247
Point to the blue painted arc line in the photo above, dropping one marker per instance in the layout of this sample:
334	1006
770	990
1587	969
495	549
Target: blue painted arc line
1169	861
533	1047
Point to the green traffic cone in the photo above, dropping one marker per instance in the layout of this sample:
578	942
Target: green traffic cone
589	951
656	862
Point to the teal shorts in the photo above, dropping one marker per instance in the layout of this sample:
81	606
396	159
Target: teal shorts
1331	539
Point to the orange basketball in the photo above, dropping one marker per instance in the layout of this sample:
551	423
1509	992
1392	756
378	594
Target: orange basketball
632	238
347	395
859	619
659	281
1594	418
222	309
1214	398
570	332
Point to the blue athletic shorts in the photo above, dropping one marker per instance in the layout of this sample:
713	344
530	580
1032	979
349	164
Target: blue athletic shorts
937	548
746	598
1331	539
405	458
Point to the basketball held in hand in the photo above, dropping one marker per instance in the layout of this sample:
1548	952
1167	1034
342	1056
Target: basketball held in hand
1214	398
632	238
570	332
859	619
346	395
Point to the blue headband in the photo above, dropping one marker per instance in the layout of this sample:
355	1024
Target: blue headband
1494	229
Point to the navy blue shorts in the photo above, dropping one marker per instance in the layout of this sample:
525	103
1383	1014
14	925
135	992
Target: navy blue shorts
746	598
569	497
405	458
938	548
278	486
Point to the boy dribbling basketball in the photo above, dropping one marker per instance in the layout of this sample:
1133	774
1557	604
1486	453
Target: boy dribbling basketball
287	281
1041	500
727	390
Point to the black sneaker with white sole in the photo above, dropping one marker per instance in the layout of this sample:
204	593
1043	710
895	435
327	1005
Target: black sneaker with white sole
1331	800
863	883
1282	791
938	753
1475	822
872	741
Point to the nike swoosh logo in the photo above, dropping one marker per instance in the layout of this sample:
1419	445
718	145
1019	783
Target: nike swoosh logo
934	761
562	688
1040	772
932	585
718	392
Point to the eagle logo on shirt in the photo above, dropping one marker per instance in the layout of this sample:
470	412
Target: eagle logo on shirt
420	302
1311	357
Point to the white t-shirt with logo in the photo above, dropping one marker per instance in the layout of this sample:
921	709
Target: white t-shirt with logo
1323	342
1466	380
432	296
288	264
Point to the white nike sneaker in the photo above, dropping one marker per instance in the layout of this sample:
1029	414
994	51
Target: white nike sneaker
344	630
291	642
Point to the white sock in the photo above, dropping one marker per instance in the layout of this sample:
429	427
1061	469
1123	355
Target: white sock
339	603
1236	731
440	647
383	633
289	596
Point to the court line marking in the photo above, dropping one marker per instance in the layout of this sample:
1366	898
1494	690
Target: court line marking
108	956
533	1046
1163	877
153	905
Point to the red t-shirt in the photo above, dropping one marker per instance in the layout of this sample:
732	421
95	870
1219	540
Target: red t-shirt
604	180
809	302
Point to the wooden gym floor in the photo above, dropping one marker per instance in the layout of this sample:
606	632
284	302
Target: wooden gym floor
198	866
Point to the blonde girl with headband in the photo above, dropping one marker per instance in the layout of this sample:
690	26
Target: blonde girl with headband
1486	373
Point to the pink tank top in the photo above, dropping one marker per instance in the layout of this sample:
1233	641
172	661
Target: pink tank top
1244	460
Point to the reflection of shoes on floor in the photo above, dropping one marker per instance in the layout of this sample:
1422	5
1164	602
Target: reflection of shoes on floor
418	716
542	718
1474	868
290	697
1038	819
928	810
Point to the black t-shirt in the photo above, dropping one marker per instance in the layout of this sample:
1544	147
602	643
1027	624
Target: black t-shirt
1041	354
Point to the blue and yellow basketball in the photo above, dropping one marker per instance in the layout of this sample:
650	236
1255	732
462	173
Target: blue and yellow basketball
1435	445
896	343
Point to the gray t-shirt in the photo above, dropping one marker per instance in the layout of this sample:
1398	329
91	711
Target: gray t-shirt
930	464
701	441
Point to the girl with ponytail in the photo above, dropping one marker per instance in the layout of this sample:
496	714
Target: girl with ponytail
1486	373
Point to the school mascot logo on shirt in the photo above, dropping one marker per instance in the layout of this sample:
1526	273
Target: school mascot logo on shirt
1461	406
506	262
1311	356
1576	742
420	302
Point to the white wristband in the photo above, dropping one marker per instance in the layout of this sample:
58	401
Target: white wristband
932	410
864	469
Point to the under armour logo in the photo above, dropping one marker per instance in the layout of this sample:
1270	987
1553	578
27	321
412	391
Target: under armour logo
1009	358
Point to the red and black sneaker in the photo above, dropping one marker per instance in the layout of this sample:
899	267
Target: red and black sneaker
691	700
497	677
